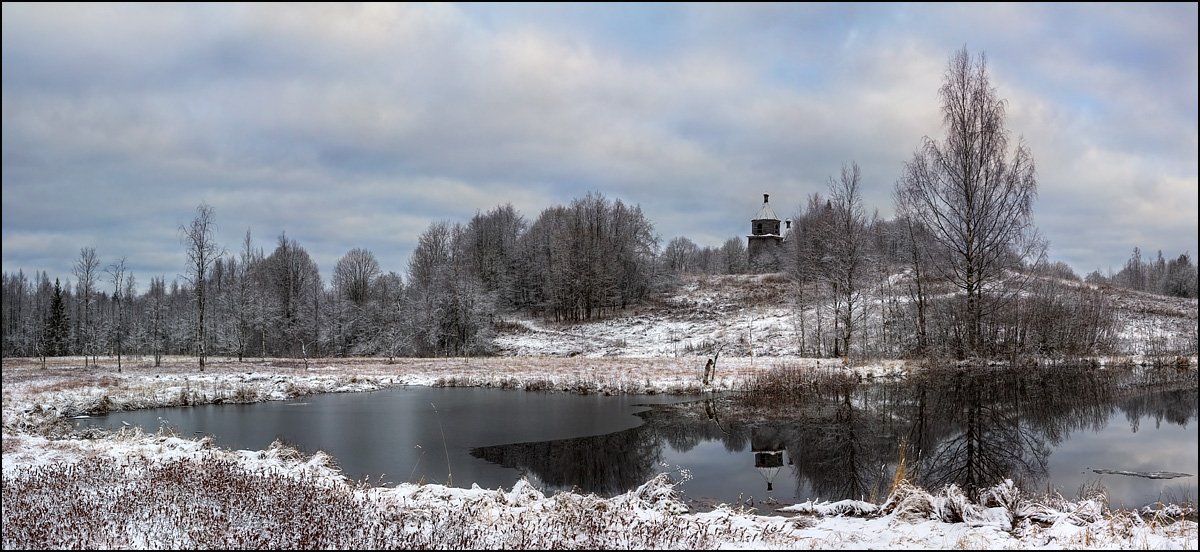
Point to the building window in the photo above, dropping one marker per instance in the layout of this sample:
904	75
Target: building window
759	231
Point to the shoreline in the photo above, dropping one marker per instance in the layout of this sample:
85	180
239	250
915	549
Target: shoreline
36	401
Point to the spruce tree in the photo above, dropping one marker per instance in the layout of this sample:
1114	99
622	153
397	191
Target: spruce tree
57	324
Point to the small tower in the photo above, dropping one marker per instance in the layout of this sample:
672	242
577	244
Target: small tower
765	242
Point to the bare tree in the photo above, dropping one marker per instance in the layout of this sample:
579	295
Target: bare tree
291	278
353	274
452	314
156	306
202	250
245	290
116	273
86	271
17	323
591	257
679	255
914	238
491	245
131	325
392	321
432	252
846	259
1180	277
353	279
733	252
973	195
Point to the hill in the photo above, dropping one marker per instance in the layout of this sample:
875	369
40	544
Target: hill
759	315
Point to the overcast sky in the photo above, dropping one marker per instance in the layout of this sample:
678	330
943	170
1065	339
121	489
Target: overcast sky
357	126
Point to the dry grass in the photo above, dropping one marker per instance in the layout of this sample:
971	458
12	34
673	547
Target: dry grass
510	326
901	466
790	383
75	382
216	503
10	444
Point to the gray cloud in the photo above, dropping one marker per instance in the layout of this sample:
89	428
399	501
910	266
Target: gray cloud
357	126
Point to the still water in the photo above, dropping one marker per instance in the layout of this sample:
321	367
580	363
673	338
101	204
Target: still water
1044	432
401	435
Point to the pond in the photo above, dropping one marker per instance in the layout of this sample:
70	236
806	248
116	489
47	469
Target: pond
1064	431
404	434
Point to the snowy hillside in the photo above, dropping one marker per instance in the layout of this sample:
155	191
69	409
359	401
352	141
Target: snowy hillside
748	314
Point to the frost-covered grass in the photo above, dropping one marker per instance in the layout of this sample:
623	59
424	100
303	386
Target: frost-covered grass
134	490
213	501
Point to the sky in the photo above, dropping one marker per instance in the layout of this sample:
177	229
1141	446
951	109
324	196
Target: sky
356	126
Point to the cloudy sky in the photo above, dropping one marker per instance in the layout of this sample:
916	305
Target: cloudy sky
357	126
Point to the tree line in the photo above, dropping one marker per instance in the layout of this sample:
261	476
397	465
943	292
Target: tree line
1175	277
576	262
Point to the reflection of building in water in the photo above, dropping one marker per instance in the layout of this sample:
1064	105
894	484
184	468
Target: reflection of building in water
767	444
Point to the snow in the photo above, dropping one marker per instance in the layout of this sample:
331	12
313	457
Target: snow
766	213
755	315
39	444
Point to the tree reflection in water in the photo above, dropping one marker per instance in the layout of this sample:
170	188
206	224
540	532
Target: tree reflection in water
605	464
973	428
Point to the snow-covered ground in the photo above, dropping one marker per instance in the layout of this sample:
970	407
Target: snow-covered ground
755	314
159	491
741	315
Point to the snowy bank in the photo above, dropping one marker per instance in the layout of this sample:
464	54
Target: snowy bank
158	491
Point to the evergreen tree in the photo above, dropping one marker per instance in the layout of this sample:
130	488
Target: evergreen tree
57	325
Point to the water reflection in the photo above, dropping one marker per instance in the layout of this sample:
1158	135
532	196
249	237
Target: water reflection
769	447
605	464
969	428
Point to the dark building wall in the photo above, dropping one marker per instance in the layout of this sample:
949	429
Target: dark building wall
764	226
764	247
765	253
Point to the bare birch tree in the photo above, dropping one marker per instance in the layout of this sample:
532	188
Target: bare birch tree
847	257
973	194
202	250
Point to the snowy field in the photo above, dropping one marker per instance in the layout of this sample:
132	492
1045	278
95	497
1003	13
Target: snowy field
136	490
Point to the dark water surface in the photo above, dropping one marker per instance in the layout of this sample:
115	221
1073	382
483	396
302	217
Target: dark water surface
401	435
1044	431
